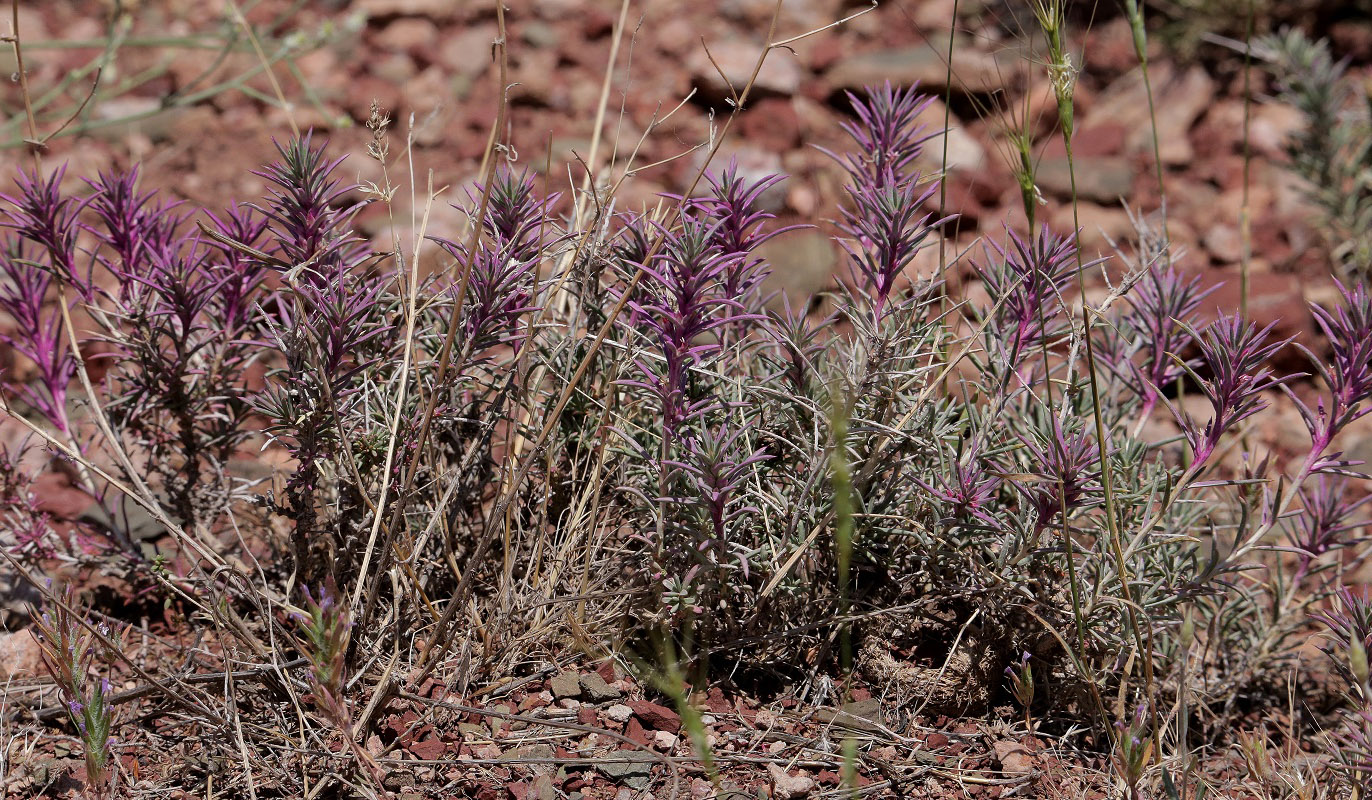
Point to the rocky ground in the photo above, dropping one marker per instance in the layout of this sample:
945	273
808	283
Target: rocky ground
428	62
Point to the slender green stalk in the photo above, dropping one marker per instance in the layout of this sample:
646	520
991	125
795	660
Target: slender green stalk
1245	216
1133	10
943	182
1051	17
841	478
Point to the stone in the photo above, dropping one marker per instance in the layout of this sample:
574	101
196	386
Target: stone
1100	225
619	713
1103	179
20	656
656	716
467	52
395	67
430	749
1224	244
1101	139
536	752
789	787
565	684
1186	98
664	741
736	59
1179	101
634	731
862	715
437	10
632	768
1014	758
559	9
540	35
771	123
408	34
926	64
802	263
542	788
595	689
965	152
121	117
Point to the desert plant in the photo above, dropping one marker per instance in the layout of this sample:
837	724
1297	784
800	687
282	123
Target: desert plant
71	651
614	412
1333	153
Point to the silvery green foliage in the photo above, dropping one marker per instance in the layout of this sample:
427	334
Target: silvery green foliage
688	470
1334	151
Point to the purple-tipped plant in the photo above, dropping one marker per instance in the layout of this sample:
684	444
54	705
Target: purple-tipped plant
1026	280
1021	675
1348	377
887	136
69	649
327	629
19	511
734	202
1163	306
134	226
37	333
888	228
1353	748
713	472
1325	521
175	325
681	305
329	328
502	285
329	335
1235	355
1066	466
885	227
1349	624
968	492
242	275
516	217
1133	749
311	230
799	343
41	214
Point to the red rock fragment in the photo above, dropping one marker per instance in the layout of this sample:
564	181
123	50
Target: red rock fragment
430	749
655	716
